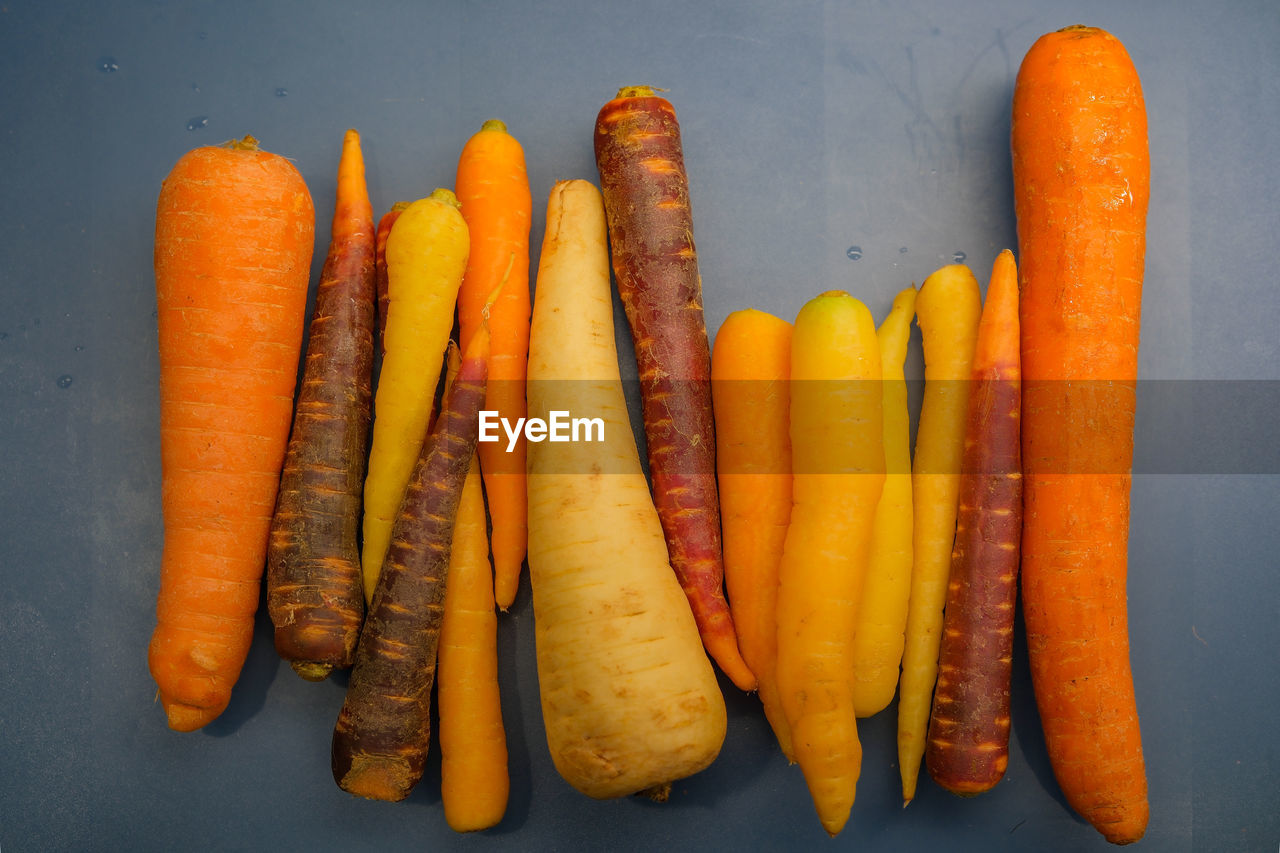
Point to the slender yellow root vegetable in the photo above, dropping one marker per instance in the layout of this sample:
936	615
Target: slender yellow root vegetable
838	473
882	616
629	699
426	255
948	309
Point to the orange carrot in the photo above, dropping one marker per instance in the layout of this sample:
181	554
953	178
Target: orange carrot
646	198
493	189
968	741
750	369
315	592
474	782
234	232
1081	173
383	731
381	277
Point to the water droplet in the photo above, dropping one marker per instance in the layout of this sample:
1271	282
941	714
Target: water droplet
64	381
198	122
902	251
108	64
79	348
853	252
3	335
203	35
282	92
958	258
195	87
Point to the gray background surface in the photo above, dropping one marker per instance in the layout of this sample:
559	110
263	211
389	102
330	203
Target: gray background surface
809	127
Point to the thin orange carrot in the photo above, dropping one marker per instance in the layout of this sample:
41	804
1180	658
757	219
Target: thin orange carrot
474	782
750	371
1081	173
315	592
493	189
234	232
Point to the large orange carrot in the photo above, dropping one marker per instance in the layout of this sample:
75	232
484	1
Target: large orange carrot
1081	183
315	592
493	189
234	231
968	743
381	737
750	369
646	197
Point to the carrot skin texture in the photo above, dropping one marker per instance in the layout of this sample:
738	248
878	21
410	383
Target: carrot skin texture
968	741
380	740
1081	171
474	782
646	196
381	278
882	612
750	373
948	309
314	588
629	698
229	343
493	189
838	474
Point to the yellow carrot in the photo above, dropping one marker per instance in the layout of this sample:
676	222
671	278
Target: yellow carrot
426	255
948	308
474	782
882	616
838	473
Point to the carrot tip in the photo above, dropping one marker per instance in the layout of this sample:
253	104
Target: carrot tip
188	718
312	671
494	124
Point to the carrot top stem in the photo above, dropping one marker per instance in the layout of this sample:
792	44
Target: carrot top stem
442	194
636	92
248	143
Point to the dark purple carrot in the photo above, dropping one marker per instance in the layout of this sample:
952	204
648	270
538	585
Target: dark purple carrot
314	592
650	222
968	742
381	738
381	277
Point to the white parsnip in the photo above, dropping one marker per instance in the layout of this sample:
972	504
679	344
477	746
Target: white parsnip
629	699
